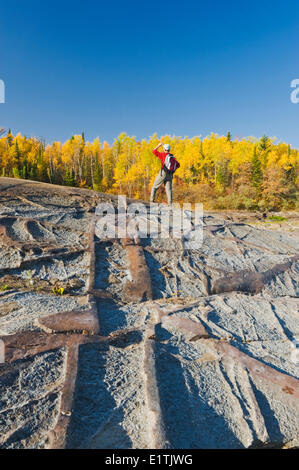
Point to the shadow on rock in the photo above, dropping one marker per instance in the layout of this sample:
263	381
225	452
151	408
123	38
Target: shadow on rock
190	422
96	419
157	278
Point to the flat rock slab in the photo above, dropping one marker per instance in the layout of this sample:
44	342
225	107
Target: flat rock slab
70	321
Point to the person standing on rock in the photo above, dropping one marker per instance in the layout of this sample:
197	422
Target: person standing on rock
168	167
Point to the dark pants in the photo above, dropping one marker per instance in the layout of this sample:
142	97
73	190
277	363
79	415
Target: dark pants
163	178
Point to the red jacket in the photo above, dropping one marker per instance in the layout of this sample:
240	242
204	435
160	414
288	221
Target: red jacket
162	156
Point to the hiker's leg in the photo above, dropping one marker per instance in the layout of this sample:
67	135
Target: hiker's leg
157	183
168	188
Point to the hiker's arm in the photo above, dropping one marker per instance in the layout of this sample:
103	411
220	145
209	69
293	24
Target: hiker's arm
155	151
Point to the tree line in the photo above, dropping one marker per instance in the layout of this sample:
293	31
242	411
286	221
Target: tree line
221	171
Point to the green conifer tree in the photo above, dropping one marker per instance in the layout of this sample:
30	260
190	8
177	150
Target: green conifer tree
69	179
256	170
17	157
9	138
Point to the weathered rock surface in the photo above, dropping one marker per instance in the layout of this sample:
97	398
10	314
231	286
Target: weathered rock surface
141	343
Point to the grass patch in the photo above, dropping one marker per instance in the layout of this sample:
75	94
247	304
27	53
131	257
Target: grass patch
276	218
4	288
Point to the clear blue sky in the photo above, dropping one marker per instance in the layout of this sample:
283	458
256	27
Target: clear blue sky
174	67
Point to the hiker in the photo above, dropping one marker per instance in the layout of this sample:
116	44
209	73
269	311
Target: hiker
168	167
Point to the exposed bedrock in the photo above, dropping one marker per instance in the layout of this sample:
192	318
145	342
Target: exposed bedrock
140	343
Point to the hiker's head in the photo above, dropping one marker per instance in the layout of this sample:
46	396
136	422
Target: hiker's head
166	147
